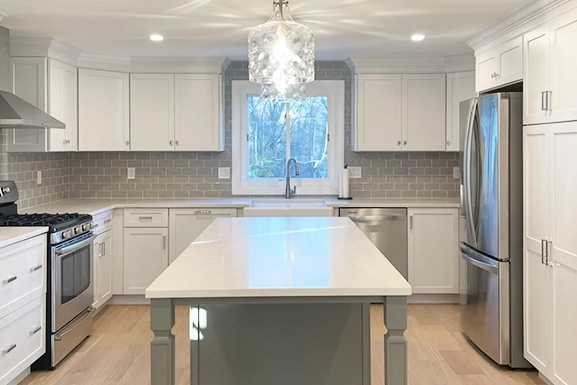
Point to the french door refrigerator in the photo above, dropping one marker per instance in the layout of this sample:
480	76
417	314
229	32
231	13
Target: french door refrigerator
492	219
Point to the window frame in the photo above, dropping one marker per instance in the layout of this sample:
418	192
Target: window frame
334	90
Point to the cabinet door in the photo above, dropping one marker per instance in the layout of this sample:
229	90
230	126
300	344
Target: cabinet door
151	112
536	76
536	276
424	112
486	65
103	113
378	126
145	257
563	249
197	119
29	82
187	224
510	68
563	103
433	250
460	87
103	268
63	105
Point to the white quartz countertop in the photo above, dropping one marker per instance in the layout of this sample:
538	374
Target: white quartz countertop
11	235
280	257
96	206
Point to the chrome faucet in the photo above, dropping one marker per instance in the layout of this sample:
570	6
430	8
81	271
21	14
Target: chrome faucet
288	191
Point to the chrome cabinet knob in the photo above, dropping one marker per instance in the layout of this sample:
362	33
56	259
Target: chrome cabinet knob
170	142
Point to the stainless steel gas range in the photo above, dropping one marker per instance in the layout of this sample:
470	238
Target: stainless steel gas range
70	290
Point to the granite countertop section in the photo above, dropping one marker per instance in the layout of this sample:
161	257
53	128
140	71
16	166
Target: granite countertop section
97	206
395	202
280	257
11	235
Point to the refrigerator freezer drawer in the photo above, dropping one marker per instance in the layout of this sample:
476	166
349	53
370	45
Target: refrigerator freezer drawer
485	316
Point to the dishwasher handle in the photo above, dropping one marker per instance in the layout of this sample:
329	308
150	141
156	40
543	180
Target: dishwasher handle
377	218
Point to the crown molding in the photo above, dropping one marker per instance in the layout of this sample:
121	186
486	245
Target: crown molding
411	64
3	16
104	61
155	64
523	20
43	47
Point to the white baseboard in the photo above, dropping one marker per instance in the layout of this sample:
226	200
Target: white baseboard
128	300
545	379
433	298
19	378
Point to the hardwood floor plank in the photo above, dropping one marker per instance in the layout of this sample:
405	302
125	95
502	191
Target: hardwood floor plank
118	352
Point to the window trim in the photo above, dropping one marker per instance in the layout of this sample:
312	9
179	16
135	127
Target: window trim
334	90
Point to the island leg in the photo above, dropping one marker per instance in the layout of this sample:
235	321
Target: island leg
162	348
395	342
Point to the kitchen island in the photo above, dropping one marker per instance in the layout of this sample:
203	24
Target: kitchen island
271	262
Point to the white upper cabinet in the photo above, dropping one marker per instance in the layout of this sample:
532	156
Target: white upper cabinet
103	116
400	112
175	112
151	112
379	115
550	77
500	65
51	86
424	112
198	125
460	87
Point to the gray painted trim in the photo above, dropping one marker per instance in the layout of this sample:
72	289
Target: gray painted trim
162	347
396	372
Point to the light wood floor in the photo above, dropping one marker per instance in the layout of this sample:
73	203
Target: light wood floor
118	351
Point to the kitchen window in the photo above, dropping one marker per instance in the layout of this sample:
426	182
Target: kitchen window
267	132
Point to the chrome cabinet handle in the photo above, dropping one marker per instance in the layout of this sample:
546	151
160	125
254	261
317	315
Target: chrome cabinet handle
548	100
411	222
164	242
203	211
543	100
9	349
542	251
547	262
35	268
145	218
10	279
107	220
35	330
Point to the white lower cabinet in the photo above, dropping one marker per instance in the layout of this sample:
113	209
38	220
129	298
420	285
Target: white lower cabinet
550	250
103	247
22	305
433	250
145	257
187	224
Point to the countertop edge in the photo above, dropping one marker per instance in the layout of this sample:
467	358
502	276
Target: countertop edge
33	231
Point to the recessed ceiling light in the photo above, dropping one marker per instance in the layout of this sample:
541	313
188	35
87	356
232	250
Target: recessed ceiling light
156	37
418	37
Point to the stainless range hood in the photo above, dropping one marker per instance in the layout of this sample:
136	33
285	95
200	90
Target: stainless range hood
17	113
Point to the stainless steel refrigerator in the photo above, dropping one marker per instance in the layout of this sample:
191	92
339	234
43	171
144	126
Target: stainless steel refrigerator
492	224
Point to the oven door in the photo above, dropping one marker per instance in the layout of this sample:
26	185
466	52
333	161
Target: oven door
72	288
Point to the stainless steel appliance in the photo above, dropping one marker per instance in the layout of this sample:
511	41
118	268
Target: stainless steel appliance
70	292
492	214
387	229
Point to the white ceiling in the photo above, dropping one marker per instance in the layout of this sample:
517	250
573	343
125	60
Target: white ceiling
220	27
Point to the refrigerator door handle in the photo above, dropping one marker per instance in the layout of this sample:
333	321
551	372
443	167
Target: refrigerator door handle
467	171
479	260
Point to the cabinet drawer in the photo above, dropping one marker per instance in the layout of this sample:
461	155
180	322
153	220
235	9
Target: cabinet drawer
22	336
102	222
146	218
22	273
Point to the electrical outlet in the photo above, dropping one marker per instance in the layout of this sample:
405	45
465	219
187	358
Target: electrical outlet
131	173
456	173
355	172
39	177
224	173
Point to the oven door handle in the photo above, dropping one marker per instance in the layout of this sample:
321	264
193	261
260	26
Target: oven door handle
76	246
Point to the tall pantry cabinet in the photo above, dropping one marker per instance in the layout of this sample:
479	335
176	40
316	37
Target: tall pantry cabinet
550	249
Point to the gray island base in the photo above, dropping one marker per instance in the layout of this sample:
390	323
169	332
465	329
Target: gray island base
279	301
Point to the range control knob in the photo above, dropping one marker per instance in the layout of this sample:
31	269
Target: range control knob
77	230
86	226
66	234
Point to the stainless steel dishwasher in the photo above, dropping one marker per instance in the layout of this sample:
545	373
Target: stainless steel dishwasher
387	229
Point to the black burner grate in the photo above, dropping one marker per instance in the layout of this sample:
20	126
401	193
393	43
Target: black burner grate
42	219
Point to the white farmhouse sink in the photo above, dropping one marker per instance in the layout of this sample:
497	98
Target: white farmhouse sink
288	208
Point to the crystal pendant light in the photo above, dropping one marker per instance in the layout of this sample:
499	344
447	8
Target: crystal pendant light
281	55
